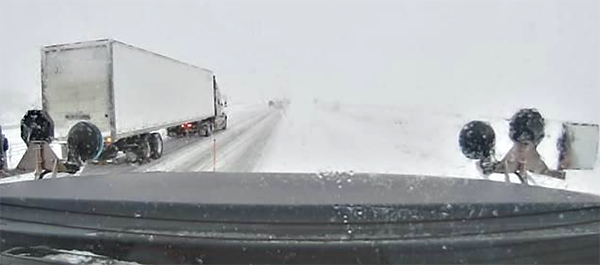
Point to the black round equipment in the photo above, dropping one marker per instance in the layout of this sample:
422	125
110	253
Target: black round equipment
37	125
477	140
527	125
85	141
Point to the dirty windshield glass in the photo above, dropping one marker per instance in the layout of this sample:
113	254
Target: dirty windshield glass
296	103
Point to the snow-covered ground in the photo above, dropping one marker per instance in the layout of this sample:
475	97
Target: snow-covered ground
342	137
337	137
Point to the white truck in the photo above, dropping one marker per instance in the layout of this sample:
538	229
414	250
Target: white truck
129	94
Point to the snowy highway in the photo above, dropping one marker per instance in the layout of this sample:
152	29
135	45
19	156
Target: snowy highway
238	148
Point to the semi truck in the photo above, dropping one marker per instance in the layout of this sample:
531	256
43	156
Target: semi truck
128	94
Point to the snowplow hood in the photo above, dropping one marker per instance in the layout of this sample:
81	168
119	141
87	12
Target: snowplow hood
317	217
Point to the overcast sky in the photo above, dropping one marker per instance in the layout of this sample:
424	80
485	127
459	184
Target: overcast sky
456	56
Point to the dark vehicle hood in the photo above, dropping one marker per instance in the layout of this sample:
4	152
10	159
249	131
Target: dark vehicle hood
300	209
186	196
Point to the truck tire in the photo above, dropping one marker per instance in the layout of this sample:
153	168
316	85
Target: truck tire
208	129
156	146
225	123
172	133
144	150
211	129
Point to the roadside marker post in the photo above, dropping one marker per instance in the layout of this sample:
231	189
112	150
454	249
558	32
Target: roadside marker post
214	154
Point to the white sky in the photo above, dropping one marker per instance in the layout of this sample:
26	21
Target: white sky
479	57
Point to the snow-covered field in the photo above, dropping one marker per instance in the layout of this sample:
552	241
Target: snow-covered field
321	137
334	137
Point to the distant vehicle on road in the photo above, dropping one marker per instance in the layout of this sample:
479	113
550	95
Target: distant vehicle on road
279	103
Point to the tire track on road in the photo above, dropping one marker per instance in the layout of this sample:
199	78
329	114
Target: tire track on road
243	153
188	159
173	148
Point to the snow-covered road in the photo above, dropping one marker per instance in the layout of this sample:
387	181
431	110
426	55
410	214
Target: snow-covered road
237	149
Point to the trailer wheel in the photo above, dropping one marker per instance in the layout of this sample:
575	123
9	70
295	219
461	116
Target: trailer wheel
172	133
156	146
144	149
225	123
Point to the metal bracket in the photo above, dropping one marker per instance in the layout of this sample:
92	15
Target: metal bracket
40	159
522	158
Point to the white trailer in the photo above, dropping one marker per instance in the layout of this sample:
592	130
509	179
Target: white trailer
128	93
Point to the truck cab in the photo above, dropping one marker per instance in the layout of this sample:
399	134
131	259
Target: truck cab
209	125
220	105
